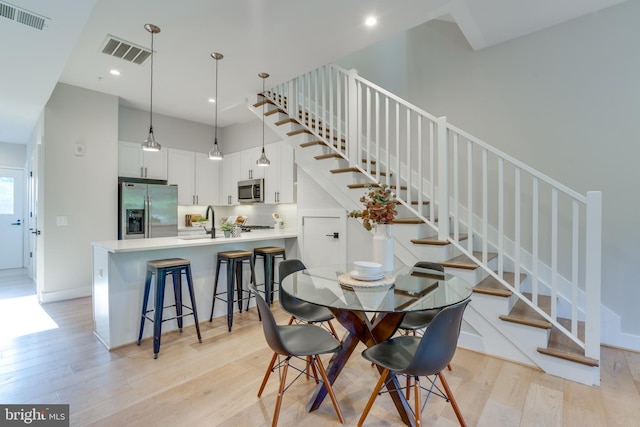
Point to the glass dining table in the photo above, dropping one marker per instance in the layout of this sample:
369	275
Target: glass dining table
371	311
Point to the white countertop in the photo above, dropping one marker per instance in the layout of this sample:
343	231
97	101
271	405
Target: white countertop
137	245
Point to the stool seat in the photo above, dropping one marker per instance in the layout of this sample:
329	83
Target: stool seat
234	260
235	254
269	254
160	268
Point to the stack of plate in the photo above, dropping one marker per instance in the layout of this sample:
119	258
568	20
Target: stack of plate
367	271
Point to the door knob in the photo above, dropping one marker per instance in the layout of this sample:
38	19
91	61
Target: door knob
16	223
334	235
37	232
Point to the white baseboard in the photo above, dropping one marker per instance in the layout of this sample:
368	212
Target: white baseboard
45	297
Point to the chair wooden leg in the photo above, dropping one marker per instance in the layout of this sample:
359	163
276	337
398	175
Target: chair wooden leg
454	405
266	375
449	367
418	408
327	384
408	389
291	320
276	412
372	399
333	330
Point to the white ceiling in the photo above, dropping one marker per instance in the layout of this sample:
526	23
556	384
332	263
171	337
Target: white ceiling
282	37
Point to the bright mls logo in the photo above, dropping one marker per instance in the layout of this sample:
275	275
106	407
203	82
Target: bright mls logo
36	415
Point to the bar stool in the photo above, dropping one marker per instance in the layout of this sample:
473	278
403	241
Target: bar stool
269	254
234	260
161	268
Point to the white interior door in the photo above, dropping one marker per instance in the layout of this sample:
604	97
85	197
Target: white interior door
323	240
11	218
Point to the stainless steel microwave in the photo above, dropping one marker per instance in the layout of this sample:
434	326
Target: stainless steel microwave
251	191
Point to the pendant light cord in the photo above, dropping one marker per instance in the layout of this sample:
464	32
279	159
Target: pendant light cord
215	138
151	101
263	98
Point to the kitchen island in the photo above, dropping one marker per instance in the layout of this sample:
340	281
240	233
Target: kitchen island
120	267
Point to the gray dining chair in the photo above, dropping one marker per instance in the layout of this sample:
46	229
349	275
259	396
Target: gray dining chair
304	342
414	323
302	311
417	357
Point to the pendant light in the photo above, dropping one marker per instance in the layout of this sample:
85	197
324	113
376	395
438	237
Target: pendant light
263	161
215	153
150	143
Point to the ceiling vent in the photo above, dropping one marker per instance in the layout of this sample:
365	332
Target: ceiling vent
122	49
22	16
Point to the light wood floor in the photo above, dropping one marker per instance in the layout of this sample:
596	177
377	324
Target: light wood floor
215	383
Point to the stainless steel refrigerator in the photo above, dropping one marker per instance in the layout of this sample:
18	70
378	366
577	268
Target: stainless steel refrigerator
147	210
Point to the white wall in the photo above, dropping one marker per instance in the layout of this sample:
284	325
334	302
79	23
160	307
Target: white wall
564	100
242	136
170	132
13	155
81	188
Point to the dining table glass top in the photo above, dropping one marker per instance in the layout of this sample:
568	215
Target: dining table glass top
406	289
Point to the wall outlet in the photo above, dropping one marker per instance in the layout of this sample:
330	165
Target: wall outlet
61	220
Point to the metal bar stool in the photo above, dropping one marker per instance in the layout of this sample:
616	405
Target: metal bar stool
269	254
234	260
161	268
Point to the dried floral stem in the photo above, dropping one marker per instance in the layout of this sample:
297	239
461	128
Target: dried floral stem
379	207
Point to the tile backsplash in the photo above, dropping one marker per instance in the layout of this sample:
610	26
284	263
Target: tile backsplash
257	213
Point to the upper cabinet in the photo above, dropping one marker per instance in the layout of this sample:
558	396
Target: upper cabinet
248	167
134	162
278	180
230	175
196	176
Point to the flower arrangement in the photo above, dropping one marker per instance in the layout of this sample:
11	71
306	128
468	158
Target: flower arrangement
379	207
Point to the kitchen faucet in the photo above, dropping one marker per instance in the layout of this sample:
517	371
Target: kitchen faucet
213	222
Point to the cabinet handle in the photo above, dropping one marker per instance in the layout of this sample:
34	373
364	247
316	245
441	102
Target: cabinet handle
141	172
197	200
228	200
145	172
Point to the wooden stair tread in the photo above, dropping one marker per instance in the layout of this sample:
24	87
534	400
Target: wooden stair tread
274	111
434	240
312	143
298	132
569	356
464	262
329	156
407	221
354	169
285	121
263	102
523	314
561	346
369	184
491	286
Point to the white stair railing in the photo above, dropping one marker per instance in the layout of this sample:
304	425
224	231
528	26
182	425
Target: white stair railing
536	225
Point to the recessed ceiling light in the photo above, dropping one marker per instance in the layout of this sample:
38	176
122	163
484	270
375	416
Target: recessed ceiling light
115	72
211	100
371	21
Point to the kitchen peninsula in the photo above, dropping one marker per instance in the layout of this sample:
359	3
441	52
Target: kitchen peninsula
120	266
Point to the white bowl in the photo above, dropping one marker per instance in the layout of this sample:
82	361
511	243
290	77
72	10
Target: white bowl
367	268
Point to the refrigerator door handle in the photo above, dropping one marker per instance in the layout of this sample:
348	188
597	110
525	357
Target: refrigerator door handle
147	208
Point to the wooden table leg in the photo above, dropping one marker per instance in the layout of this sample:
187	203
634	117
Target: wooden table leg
361	329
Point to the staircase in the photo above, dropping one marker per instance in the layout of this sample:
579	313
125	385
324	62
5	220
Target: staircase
489	217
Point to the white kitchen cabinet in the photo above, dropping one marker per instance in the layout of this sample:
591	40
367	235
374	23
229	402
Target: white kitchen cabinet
134	162
278	179
229	177
195	175
207	178
248	167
